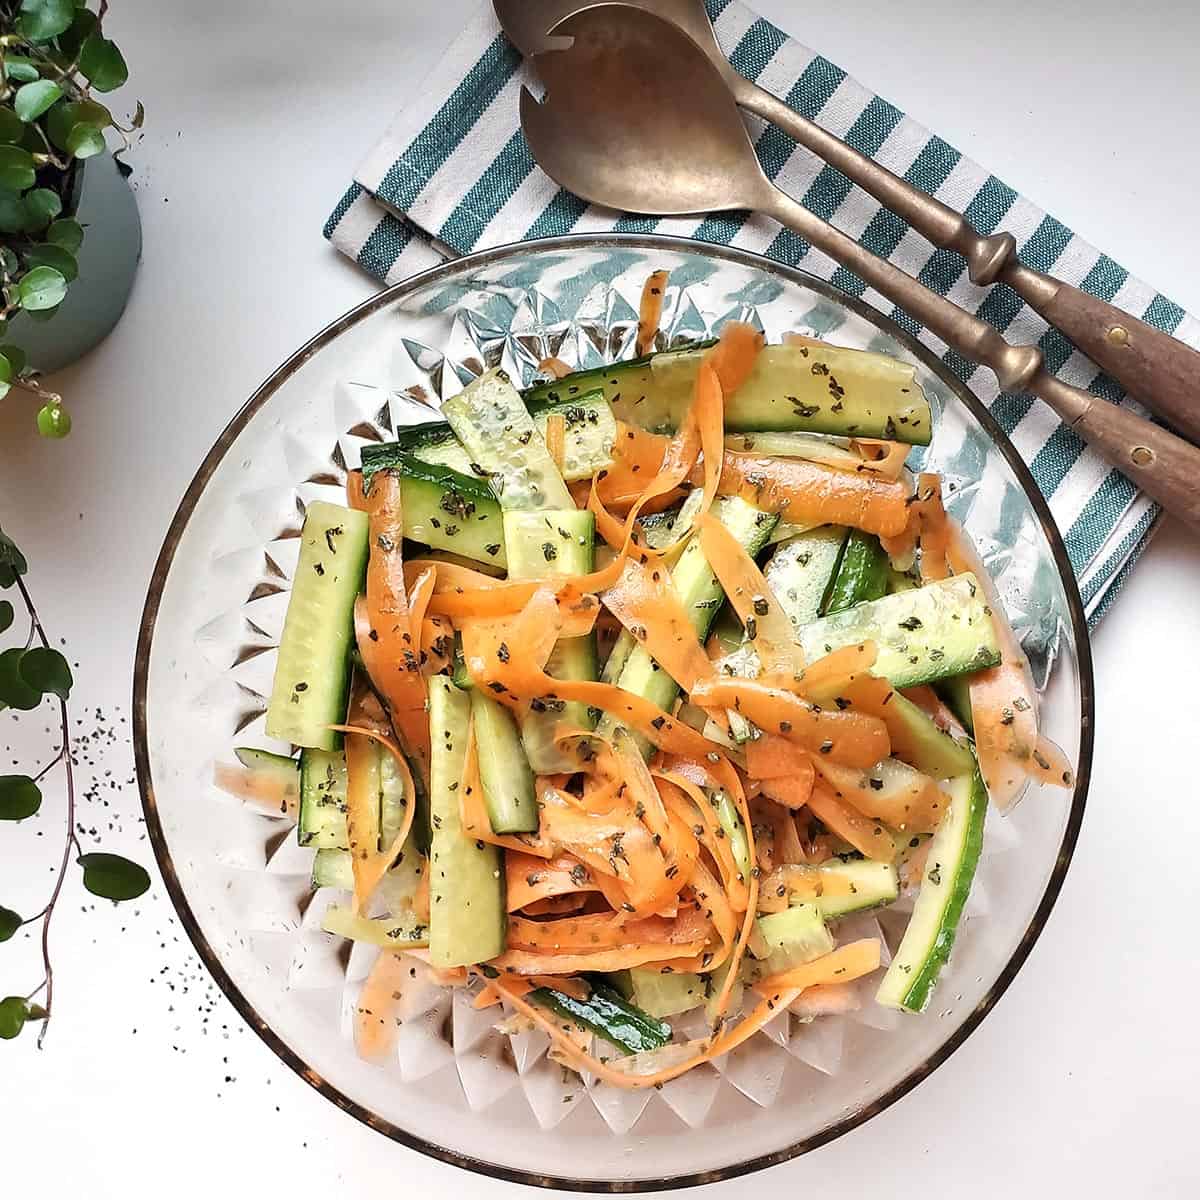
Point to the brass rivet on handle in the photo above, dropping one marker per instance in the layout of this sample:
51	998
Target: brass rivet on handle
1142	455
1118	335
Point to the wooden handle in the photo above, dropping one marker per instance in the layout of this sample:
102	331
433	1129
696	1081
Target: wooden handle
1158	369
1164	466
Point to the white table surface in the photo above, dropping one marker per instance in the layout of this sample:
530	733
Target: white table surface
1083	1081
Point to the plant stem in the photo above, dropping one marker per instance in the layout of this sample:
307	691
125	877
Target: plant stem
47	913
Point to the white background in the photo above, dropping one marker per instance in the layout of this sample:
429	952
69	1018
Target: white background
1083	1081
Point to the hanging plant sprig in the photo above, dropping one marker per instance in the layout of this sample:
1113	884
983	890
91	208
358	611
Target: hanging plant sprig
54	57
29	674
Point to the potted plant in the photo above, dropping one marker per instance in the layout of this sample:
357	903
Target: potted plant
70	237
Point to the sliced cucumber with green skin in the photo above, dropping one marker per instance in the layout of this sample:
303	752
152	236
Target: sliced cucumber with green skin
333	868
543	544
956	692
496	430
504	770
702	596
389	933
734	829
280	765
919	742
466	876
949	870
788	939
589	430
321	821
661	530
664	995
814	388
932	632
861	574
444	509
871	884
312	671
801	571
608	1015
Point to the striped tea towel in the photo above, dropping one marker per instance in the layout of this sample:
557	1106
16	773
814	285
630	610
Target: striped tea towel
453	174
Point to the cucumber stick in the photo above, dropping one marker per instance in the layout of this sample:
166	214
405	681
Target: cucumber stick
862	573
949	870
446	510
466	878
321	821
496	430
589	430
504	770
811	387
928	633
312	672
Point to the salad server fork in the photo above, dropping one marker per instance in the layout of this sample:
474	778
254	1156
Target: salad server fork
632	121
1158	369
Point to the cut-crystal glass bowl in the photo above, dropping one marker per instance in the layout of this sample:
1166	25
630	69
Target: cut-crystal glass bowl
457	1088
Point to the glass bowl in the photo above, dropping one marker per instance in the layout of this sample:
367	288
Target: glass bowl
457	1089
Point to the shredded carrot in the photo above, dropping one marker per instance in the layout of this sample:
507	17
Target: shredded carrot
645	601
852	738
391	651
746	588
792	792
650	310
1008	744
734	355
355	494
376	1020
554	367
370	863
707	1050
851	961
917	805
865	835
529	879
556	433
883	458
771	756
261	790
708	414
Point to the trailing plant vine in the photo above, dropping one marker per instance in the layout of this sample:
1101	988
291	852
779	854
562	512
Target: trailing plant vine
29	674
54	57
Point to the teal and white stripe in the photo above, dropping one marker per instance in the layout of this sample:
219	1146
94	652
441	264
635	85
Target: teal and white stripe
453	174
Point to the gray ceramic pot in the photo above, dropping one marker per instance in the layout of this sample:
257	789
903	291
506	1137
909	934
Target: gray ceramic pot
112	246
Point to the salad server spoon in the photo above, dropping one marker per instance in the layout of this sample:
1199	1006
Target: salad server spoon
632	121
1158	369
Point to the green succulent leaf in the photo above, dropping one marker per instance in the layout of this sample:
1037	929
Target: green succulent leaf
6	615
12	213
112	877
102	64
33	99
12	128
81	29
66	233
47	671
19	69
17	170
41	207
42	288
15	357
47	254
6	374
63	118
12	561
20	797
15	691
14	1012
10	922
41	20
85	141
